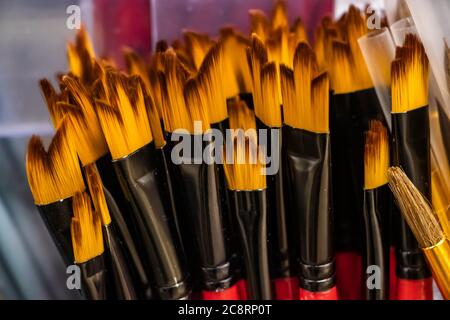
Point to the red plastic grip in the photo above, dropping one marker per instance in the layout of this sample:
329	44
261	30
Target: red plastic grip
348	275
325	295
242	287
231	293
415	289
286	288
392	275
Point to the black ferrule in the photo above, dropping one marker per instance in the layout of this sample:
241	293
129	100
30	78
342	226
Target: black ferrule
308	158
349	119
376	216
201	187
57	217
93	273
118	269
411	152
250	208
278	237
132	257
144	184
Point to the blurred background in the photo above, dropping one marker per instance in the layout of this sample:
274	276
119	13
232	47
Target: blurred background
33	36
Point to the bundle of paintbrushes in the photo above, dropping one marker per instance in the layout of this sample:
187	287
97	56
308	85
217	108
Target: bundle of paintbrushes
243	167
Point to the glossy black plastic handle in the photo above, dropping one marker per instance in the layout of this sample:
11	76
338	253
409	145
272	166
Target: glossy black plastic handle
411	152
251	214
308	170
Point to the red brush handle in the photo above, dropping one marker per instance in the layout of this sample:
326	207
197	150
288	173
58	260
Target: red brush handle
392	275
325	295
286	289
231	293
415	289
348	275
242	287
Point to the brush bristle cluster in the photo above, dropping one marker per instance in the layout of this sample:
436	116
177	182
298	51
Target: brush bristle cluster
415	209
86	230
123	116
305	93
376	156
95	186
410	74
338	52
55	174
246	170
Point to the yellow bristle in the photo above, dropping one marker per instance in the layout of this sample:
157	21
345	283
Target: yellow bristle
290	100
299	32
325	34
156	88
257	57
376	156
305	69
39	173
269	112
415	209
138	105
136	66
84	42
441	200
196	104
51	98
210	79
125	123
82	99
259	24
317	119
74	61
96	191
241	116
247	172
174	114
154	119
354	26
197	45
234	54
279	15
242	69
81	58
112	125
80	135
86	230
410	72
54	175
342	68
64	160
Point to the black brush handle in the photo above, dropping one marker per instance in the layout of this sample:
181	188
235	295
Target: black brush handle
251	213
57	217
132	256
118	267
376	216
411	152
278	235
201	187
94	278
309	173
143	179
